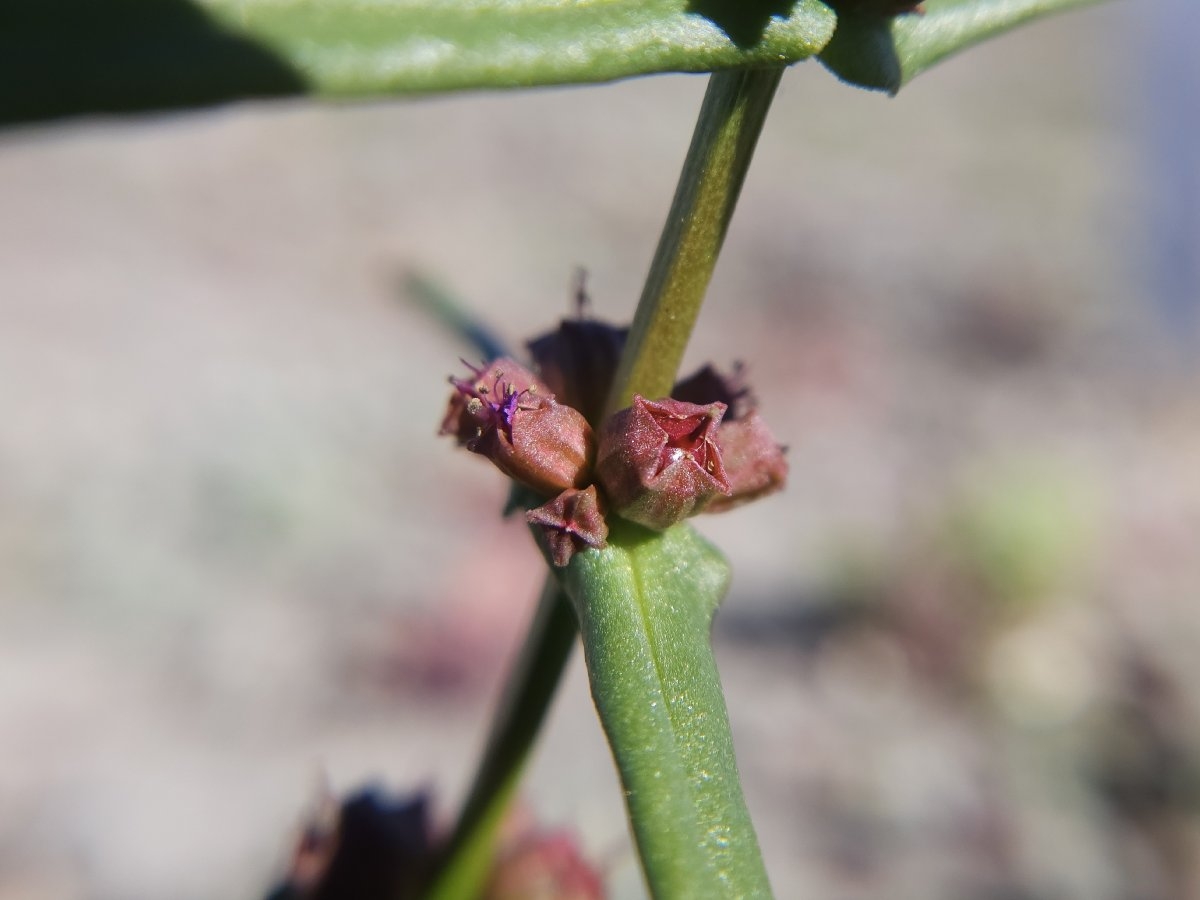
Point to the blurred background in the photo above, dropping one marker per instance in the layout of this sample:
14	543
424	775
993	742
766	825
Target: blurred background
960	652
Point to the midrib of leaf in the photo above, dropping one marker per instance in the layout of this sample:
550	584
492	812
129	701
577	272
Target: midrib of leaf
638	596
679	630
645	605
629	689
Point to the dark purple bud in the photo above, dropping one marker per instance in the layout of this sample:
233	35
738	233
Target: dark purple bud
507	415
571	522
659	461
378	847
710	386
578	362
754	462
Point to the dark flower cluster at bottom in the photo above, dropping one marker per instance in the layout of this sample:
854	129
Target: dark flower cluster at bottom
374	845
656	462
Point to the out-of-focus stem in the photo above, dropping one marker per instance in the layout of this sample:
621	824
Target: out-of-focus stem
518	718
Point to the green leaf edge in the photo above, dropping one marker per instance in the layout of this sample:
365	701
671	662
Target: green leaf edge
138	55
501	43
887	53
143	55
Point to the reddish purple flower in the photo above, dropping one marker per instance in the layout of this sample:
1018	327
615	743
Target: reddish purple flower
477	403
659	461
507	415
571	522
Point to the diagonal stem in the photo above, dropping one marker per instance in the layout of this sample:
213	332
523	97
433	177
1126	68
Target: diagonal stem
676	804
731	119
469	855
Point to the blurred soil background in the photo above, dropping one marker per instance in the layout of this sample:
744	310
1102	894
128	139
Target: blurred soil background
962	652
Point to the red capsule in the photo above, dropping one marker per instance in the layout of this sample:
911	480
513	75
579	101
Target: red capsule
754	462
659	461
570	522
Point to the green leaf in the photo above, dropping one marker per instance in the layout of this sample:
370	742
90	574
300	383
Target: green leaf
645	607
62	57
876	51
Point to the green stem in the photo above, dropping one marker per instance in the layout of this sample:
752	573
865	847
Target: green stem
530	688
731	118
644	608
730	121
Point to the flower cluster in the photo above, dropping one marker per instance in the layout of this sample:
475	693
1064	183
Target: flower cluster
656	462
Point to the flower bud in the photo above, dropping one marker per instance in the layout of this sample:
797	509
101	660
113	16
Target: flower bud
708	385
578	362
659	462
754	462
571	522
506	415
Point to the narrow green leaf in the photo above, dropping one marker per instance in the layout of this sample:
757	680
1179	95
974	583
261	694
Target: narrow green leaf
885	53
61	57
435	298
645	607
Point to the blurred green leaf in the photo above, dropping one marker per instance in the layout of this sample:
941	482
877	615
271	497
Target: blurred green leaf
645	607
875	51
1022	528
62	57
71	57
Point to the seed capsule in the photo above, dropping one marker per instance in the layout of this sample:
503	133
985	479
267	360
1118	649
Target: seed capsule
569	523
659	461
754	462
